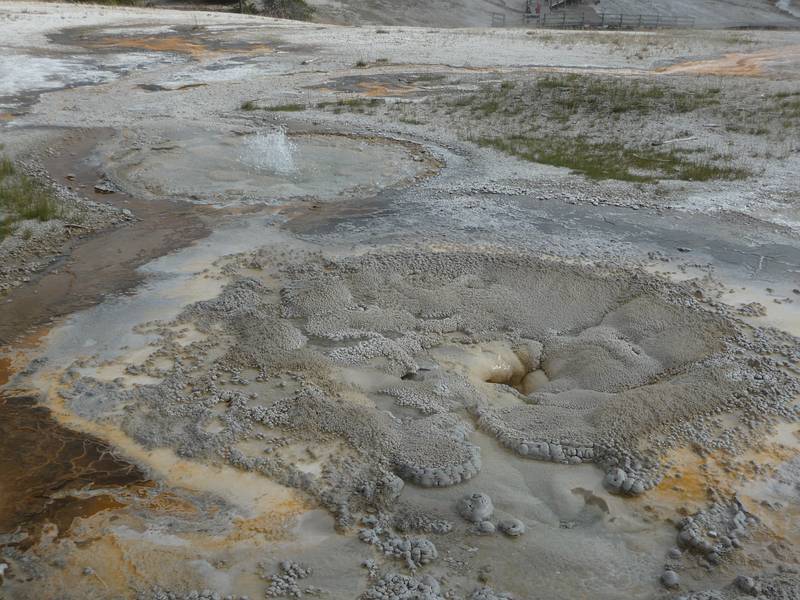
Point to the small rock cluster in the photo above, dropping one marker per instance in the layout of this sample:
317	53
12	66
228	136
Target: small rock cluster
415	551
478	508
161	594
711	535
487	593
404	587
618	481
285	583
781	585
715	532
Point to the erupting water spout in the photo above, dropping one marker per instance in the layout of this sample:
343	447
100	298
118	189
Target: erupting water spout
270	151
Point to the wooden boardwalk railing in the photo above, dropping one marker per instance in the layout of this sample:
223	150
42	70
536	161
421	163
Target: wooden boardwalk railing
589	19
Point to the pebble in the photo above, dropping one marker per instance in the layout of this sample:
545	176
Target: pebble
512	527
670	578
746	584
475	507
486	527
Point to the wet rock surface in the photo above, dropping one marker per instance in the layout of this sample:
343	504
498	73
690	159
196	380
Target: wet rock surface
397	331
580	420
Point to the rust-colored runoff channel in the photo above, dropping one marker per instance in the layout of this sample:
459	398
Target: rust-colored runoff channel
49	474
44	467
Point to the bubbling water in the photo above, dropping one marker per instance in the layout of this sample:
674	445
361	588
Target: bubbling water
270	151
267	165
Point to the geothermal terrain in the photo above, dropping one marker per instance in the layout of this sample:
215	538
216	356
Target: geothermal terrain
392	311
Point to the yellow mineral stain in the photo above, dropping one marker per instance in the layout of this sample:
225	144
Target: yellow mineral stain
687	483
16	357
379	90
272	525
173	43
735	63
746	475
250	491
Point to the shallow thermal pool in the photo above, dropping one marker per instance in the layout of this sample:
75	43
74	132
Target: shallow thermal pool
263	166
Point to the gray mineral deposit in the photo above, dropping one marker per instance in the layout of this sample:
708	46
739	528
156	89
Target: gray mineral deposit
468	300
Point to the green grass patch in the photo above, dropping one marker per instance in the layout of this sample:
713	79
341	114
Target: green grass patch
112	2
487	108
738	38
430	77
22	198
352	103
250	106
6	168
611	160
565	95
464	101
286	108
298	10
595	94
789	107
